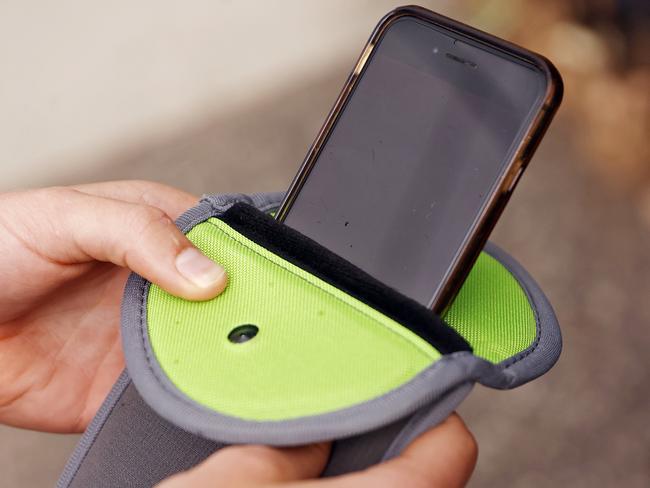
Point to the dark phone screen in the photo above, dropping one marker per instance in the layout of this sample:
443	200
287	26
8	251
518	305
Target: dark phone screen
415	154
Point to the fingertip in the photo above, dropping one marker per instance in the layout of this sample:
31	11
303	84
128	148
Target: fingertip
207	279
466	440
454	433
456	454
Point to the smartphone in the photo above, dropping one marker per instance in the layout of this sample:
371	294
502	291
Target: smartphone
423	147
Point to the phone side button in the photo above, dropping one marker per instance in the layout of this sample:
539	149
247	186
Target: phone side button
515	179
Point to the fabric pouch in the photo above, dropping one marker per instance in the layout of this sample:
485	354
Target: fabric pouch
302	347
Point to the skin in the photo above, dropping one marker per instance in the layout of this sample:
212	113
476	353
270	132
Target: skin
442	457
66	254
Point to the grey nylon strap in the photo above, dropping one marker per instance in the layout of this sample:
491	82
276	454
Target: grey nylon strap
134	447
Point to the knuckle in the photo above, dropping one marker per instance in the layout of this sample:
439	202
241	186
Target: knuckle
143	217
140	222
61	194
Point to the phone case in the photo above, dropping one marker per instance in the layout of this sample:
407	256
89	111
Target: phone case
336	356
517	161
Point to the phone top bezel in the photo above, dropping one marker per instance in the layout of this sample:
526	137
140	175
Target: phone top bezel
507	180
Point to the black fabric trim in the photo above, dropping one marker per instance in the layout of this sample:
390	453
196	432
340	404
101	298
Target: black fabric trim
314	258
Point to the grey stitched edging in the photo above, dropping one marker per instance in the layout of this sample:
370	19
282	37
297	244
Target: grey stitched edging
92	431
428	417
430	385
545	350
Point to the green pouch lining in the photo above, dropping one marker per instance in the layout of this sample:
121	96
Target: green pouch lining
325	363
316	345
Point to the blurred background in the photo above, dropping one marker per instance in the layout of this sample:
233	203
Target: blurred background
219	95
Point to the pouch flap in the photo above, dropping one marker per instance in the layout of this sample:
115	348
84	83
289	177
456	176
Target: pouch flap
302	346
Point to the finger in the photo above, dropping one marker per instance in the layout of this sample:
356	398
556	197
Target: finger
140	237
247	466
444	456
171	200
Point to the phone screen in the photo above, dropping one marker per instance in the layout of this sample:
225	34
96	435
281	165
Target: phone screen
415	155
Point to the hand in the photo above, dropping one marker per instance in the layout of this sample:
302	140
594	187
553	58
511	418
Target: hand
65	254
442	457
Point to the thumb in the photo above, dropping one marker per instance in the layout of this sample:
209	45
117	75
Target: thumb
238	466
138	236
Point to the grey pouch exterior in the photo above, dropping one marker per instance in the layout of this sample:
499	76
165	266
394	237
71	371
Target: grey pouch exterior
130	444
